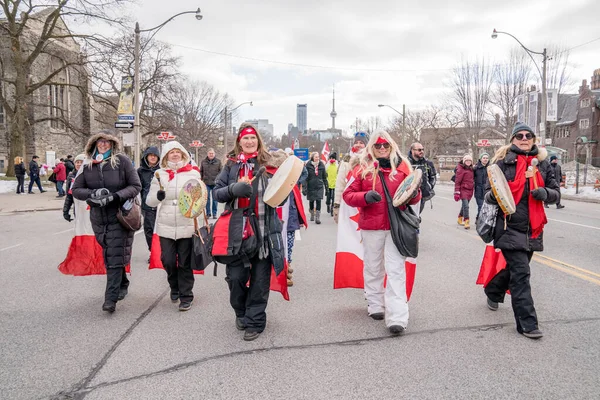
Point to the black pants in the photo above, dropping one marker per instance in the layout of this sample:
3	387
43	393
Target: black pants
176	257
250	302
116	278
149	220
515	277
36	180
20	184
330	193
312	203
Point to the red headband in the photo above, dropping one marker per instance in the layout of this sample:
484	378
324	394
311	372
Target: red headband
247	131
381	140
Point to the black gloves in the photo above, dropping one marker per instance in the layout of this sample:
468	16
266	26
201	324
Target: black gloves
539	194
240	189
490	198
67	216
102	200
372	197
160	195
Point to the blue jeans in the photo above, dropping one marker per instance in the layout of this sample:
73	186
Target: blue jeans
464	209
210	199
35	179
59	188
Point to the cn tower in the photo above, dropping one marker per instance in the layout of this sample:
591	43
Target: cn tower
333	114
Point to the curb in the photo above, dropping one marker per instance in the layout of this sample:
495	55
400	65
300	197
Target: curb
10	212
581	199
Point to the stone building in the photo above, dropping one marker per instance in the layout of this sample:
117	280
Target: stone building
60	110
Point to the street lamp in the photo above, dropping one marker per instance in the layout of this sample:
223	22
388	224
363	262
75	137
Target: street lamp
136	126
403	114
542	76
227	120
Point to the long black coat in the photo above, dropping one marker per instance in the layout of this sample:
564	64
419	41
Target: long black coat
34	169
481	179
116	241
316	184
20	169
517	235
146	173
209	170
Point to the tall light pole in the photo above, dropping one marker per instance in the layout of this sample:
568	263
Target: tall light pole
403	114
542	73
227	121
136	79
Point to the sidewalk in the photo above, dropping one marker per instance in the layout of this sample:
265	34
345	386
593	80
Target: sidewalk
12	203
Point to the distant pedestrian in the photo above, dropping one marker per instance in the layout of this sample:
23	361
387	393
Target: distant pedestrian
148	166
315	186
463	188
69	165
417	159
69	201
105	183
61	176
20	174
481	179
34	175
332	169
347	164
559	179
210	168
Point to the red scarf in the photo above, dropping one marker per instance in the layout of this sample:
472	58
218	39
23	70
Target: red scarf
185	168
537	215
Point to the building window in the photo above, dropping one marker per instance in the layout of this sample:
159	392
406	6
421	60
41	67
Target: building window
1	115
584	123
585	103
56	102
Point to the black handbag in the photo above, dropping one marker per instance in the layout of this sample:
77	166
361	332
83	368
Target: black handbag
52	177
201	246
404	225
487	222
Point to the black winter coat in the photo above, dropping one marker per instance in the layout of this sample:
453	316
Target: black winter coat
557	172
69	166
20	169
123	181
34	169
429	174
146	173
316	184
209	170
481	180
69	196
517	235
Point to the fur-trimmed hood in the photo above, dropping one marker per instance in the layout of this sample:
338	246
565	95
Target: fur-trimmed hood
90	147
170	146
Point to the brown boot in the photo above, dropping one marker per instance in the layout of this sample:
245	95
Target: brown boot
467	223
460	220
290	269
290	282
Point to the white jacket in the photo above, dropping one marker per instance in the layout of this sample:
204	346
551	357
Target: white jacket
170	223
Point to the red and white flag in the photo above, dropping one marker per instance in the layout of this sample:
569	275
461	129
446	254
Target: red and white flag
295	144
325	152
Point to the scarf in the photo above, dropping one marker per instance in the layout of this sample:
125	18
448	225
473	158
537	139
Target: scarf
185	168
316	165
537	216
97	160
246	170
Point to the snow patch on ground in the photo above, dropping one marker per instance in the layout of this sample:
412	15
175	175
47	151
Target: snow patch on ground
8	186
584	191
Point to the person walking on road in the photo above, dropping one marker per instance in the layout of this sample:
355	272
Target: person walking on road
464	186
332	169
210	168
417	159
20	174
34	175
346	166
61	176
249	285
105	183
481	180
521	233
381	256
316	182
173	228
559	179
148	166
69	202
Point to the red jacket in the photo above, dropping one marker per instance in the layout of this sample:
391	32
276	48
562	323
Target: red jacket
374	217
61	172
465	181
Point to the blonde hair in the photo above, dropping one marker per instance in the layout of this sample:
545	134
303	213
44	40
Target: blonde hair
501	153
313	154
367	156
18	160
263	155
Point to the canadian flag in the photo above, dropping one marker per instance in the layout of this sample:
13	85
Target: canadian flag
325	152
348	270
295	144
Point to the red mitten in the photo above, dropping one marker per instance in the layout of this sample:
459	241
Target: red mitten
456	196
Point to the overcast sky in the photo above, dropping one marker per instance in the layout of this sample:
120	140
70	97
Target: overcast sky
417	42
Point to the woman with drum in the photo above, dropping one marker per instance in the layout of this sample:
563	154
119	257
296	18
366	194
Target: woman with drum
316	183
105	183
463	188
531	182
174	230
249	280
381	256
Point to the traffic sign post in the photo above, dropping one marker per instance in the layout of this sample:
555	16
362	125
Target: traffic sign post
166	136
483	143
123	125
196	144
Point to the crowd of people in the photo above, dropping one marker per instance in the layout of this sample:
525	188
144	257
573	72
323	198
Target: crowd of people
374	167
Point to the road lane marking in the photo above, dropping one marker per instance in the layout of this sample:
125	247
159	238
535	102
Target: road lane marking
573	223
65	231
11	247
585	271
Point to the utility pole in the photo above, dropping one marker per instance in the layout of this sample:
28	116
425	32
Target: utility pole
136	100
544	100
226	132
403	128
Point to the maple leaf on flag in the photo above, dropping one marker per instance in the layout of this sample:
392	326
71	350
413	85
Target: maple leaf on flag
355	219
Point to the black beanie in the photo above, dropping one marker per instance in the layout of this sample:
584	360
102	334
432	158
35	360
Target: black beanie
552	158
519	126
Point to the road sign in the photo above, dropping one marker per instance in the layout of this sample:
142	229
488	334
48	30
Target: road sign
166	136
483	143
125	117
123	125
196	143
301	153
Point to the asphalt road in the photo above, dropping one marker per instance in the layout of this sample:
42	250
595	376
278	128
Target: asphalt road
55	342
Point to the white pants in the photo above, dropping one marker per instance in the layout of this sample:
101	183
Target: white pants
381	257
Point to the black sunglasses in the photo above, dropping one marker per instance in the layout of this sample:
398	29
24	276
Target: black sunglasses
381	145
527	135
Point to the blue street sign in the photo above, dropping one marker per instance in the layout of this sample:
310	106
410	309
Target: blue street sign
125	117
301	154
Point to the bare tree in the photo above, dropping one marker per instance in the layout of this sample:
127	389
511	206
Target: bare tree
36	35
559	70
